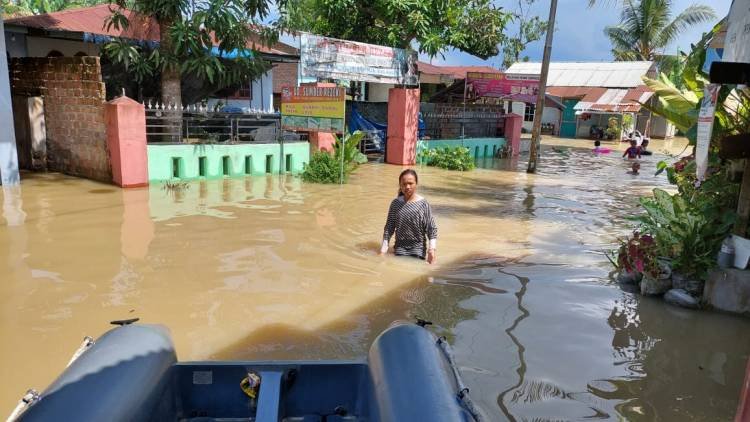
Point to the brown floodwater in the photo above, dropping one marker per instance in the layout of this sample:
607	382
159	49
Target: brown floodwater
270	267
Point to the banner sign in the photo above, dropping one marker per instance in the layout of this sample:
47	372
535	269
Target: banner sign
312	108
737	42
705	126
324	57
497	85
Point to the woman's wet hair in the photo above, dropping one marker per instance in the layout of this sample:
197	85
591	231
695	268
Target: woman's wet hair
401	176
597	143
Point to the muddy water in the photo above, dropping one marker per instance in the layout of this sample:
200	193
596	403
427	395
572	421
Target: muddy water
264	268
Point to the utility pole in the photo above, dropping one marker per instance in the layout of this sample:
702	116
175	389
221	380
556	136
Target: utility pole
536	136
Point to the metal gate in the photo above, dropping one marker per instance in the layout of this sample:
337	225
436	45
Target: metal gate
196	124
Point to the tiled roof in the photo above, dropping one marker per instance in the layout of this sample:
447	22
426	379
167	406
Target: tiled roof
92	20
588	74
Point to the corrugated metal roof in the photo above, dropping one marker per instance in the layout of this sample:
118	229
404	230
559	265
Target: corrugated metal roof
574	91
457	72
587	74
92	20
614	100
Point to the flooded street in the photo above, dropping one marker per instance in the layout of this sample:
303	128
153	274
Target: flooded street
266	268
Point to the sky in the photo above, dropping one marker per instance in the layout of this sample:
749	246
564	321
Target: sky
579	32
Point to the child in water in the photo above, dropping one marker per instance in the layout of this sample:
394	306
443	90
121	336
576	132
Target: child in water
633	152
599	150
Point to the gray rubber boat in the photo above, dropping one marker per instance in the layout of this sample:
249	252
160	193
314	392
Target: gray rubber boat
131	374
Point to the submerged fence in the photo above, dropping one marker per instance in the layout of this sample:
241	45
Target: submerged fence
451	121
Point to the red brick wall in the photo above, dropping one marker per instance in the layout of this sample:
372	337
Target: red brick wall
74	96
284	74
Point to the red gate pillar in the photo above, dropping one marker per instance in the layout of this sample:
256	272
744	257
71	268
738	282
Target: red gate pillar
321	141
403	108
513	124
126	139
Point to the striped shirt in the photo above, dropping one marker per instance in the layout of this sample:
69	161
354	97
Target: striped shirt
412	222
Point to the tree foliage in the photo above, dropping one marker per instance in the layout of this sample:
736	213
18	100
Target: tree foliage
646	27
206	39
530	29
681	105
473	26
38	7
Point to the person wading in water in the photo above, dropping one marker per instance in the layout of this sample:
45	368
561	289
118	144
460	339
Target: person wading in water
410	218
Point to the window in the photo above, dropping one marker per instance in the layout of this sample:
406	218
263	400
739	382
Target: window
244	92
528	113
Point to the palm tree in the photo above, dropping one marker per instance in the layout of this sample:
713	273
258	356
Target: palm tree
646	28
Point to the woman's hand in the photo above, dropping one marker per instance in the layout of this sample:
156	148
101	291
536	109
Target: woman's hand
431	256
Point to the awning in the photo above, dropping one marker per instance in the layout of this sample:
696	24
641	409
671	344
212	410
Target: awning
614	101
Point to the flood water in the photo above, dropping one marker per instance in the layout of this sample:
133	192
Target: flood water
269	267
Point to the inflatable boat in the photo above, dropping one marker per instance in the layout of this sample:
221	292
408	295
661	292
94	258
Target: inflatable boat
131	373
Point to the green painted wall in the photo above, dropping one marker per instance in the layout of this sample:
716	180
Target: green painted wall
479	147
191	161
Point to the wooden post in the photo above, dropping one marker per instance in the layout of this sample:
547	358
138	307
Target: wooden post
536	137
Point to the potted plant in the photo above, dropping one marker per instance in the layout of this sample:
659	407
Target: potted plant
688	228
634	258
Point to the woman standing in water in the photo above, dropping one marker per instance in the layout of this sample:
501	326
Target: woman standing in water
410	217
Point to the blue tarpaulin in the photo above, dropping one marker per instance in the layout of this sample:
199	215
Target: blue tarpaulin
376	130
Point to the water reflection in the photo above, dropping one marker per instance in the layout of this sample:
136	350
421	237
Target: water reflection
521	370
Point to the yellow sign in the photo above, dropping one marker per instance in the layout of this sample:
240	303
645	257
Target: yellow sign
332	109
313	108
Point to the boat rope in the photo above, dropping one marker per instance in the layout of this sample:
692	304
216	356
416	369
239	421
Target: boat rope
30	397
463	390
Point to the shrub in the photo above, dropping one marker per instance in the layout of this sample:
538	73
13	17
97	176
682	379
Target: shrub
613	128
458	158
637	254
689	232
326	168
322	168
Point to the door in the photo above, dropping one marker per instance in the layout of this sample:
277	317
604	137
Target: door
568	125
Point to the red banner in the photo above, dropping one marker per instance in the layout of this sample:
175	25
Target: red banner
497	85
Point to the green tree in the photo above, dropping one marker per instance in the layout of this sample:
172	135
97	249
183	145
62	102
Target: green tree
473	26
530	29
38	7
646	27
191	33
680	103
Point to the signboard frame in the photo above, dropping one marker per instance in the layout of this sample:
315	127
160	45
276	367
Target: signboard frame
313	108
332	58
499	85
